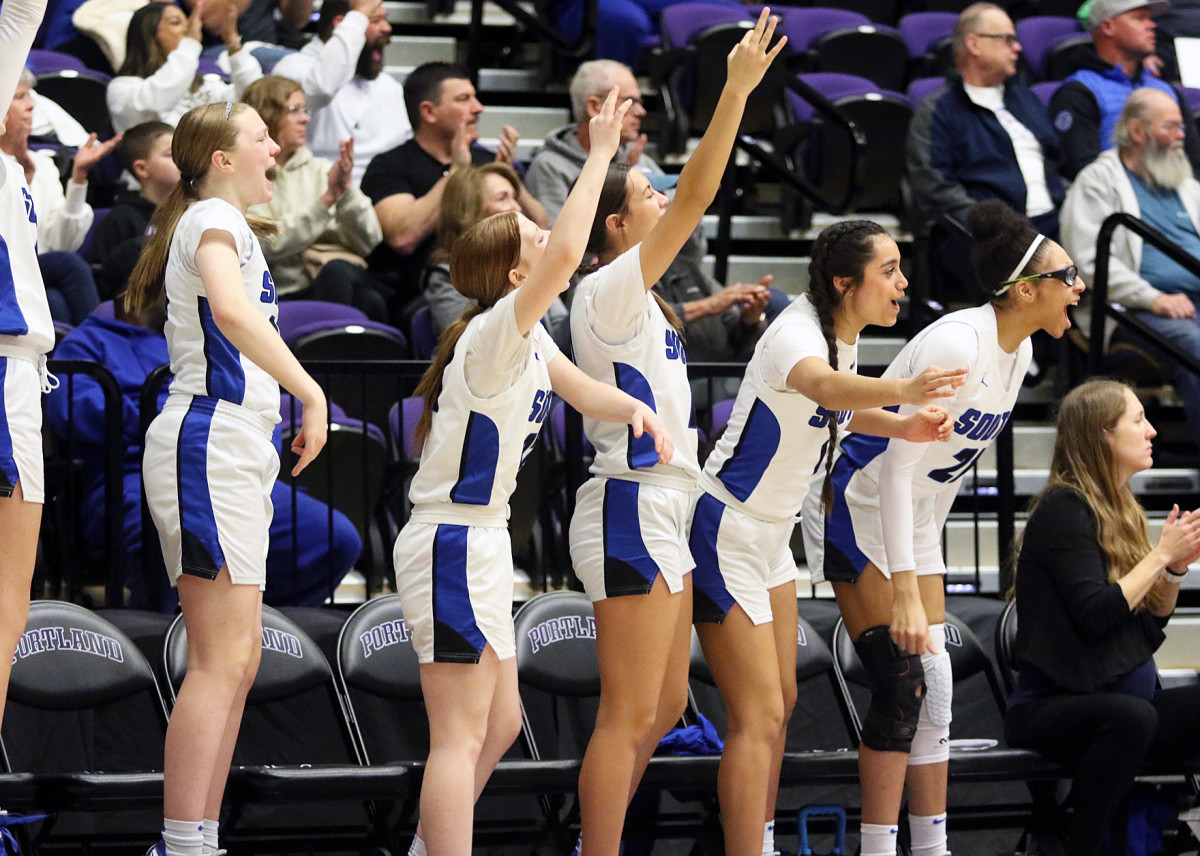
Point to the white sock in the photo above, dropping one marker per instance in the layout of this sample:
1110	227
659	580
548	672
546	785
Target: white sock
928	835
183	837
209	832
878	839
768	838
417	848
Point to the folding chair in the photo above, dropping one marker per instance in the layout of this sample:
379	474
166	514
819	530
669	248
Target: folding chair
85	725
295	750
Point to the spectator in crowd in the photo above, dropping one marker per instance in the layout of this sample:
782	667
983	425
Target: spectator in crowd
159	78
131	347
1149	176
145	153
267	39
1085	108
365	109
406	184
984	136
63	218
557	164
326	225
471	194
1094	597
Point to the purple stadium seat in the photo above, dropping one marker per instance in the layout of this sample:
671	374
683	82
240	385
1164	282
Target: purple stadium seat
297	317
404	439
209	66
100	214
46	62
803	26
922	88
1045	90
1191	97
721	411
681	21
424	340
558	431
1041	34
921	31
839	40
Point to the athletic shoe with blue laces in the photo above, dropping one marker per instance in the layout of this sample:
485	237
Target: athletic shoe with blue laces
159	849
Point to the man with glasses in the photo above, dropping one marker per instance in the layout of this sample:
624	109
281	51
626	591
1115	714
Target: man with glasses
1085	108
1149	176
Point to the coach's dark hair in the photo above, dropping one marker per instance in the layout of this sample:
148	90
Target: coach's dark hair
841	250
425	84
1002	237
614	199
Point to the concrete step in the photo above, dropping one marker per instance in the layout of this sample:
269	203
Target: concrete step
791	273
402	13
497	80
532	123
1158	481
410	51
746	227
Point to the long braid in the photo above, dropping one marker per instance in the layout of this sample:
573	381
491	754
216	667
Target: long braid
841	250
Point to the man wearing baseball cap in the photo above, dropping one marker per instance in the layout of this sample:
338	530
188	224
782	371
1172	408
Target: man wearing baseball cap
1085	108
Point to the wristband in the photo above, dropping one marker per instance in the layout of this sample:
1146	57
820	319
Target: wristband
1173	577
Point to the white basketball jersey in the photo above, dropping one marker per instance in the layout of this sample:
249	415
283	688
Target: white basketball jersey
649	365
476	445
776	437
203	360
24	312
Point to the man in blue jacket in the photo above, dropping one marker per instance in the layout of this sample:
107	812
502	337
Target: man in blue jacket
304	564
984	136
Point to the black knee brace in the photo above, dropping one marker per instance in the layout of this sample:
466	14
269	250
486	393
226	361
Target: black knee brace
898	688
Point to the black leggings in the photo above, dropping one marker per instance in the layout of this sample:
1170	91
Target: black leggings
342	282
1104	738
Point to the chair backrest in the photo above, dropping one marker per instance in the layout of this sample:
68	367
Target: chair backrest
83	95
680	22
402	425
559	672
805	26
1005	645
921	31
1068	56
297	317
1045	89
424	339
558	431
81	697
356	340
46	62
1039	34
874	51
721	411
922	88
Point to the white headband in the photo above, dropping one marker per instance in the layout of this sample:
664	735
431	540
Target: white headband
1021	264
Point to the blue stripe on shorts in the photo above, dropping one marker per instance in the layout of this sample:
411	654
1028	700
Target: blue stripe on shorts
628	565
9	475
456	636
844	562
200	543
711	599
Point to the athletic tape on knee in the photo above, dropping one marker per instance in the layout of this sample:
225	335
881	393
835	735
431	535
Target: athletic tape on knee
898	687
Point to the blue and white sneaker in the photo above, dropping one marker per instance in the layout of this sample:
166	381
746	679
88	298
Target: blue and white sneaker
578	845
159	849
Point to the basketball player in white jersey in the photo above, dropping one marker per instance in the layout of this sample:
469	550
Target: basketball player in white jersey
628	535
210	463
487	393
799	387
26	336
880	541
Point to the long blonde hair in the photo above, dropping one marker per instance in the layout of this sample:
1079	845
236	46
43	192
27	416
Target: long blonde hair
480	261
1083	461
201	132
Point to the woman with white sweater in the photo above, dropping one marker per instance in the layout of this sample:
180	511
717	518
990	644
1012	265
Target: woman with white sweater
327	226
160	77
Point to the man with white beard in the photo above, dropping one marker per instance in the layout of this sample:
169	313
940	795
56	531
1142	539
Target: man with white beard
1147	175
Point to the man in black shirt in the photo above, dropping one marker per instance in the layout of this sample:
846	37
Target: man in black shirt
406	183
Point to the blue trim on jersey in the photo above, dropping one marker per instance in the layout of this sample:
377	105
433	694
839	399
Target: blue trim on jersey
456	636
639	451
200	542
712	600
628	566
477	466
224	376
12	319
756	447
9	473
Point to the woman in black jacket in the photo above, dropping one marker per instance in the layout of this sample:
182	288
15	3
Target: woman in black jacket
1094	597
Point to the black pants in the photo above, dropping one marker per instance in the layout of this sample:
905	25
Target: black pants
1105	738
342	282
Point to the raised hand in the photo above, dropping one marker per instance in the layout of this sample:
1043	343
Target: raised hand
195	23
604	129
506	145
934	383
460	146
750	59
87	155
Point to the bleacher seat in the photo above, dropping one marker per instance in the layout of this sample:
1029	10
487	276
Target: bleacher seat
1039	35
47	62
83	95
299	317
928	36
845	42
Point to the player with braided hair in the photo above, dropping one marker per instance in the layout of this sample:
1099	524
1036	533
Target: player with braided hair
799	387
879	540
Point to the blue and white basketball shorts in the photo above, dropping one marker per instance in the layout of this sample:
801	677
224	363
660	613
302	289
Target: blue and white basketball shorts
21	430
456	589
208	468
739	559
838	547
625	533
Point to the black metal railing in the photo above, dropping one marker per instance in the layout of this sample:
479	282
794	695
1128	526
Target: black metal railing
577	48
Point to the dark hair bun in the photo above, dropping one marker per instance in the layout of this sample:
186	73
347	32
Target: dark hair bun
993	224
